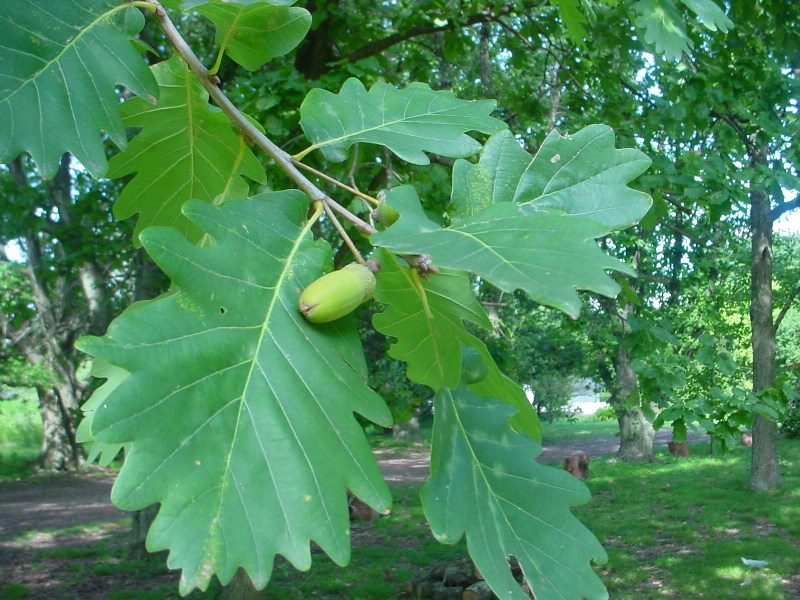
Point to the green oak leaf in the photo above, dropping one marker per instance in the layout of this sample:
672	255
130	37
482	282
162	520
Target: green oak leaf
96	450
186	150
485	484
409	121
497	385
59	63
569	11
239	412
426	319
711	15
582	174
256	33
663	27
547	256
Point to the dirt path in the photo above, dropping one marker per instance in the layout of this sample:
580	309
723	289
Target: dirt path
60	502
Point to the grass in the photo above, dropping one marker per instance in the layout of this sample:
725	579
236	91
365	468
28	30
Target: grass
20	436
678	528
583	428
674	528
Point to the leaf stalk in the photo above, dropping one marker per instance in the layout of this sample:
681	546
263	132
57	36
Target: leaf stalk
282	159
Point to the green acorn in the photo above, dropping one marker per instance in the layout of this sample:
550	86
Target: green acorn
337	293
386	215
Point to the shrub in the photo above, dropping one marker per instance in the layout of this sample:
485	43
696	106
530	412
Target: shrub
606	413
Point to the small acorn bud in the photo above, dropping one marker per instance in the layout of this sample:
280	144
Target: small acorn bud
385	214
337	294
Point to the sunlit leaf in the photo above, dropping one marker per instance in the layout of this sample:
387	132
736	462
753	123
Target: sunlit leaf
547	256
238	412
409	121
485	484
663	27
582	174
59	64
426	318
186	150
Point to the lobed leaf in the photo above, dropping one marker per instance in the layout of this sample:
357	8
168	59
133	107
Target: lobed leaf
547	256
663	27
256	33
408	121
59	63
485	484
582	175
238	412
426	319
96	450
186	150
712	16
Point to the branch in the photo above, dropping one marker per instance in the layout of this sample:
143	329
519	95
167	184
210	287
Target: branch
784	207
786	306
379	46
678	205
282	159
683	232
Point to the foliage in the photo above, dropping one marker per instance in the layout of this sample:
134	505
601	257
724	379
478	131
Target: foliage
790	424
209	381
78	108
606	413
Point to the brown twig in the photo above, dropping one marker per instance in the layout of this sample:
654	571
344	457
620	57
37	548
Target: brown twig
282	159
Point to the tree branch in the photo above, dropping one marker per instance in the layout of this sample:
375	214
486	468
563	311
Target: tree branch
282	159
786	306
379	46
784	207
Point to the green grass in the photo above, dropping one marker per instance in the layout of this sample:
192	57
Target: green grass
20	436
674	528
679	527
584	428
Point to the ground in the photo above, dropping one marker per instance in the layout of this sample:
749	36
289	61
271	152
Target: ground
69	515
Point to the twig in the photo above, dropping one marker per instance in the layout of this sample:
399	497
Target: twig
786	306
335	182
281	158
343	234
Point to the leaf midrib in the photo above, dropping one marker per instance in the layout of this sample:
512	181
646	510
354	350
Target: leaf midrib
69	46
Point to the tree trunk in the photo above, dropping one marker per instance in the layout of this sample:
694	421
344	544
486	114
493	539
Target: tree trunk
636	435
141	520
60	451
765	470
241	588
408	431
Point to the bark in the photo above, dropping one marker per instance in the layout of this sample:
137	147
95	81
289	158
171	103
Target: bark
141	520
408	431
241	588
318	49
636	435
765	471
577	464
60	451
636	432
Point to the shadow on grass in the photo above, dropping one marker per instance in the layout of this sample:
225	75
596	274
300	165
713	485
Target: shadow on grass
679	527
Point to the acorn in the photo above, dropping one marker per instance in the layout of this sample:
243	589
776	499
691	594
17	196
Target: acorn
337	293
385	214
